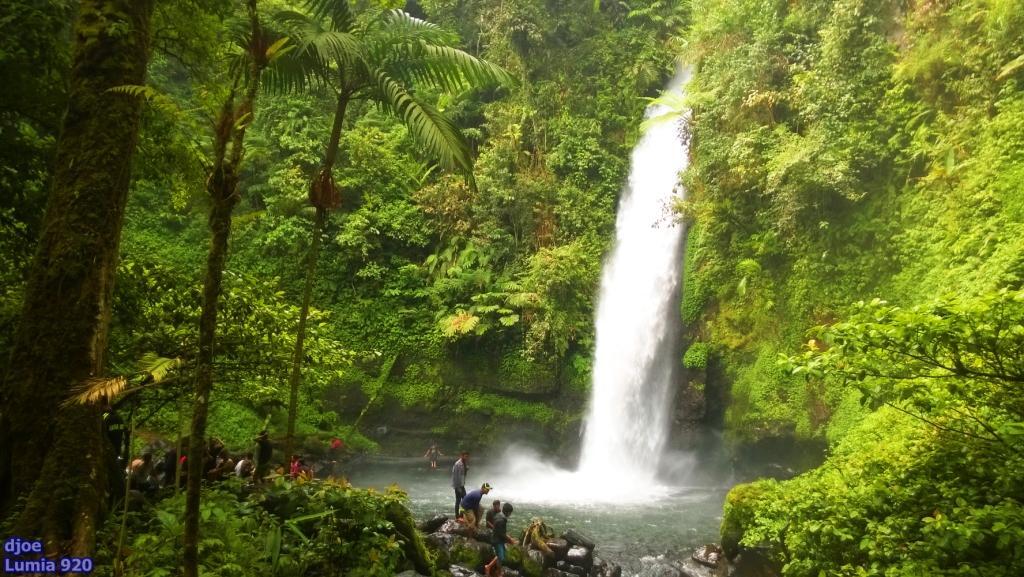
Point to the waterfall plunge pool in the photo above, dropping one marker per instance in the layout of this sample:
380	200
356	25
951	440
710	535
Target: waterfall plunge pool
628	522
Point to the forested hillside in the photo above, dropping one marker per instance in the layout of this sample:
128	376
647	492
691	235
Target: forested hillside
858	165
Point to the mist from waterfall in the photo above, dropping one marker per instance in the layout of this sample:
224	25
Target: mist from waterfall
636	356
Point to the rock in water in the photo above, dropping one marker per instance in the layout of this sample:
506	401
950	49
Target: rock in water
580	557
750	563
559	547
460	571
574	537
432	524
613	570
708	555
574	569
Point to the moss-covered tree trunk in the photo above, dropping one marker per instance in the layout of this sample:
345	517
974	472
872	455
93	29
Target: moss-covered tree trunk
58	455
222	186
324	196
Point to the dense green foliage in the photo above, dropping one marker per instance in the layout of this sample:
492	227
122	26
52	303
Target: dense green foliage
289	528
844	151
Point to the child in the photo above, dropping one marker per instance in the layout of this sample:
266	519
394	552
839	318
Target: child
499	536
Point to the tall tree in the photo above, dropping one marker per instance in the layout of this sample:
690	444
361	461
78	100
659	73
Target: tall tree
379	57
56	453
234	118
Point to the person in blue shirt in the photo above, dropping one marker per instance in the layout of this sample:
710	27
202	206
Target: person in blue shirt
470	507
499	536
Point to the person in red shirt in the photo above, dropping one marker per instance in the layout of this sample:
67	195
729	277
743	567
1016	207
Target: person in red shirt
295	466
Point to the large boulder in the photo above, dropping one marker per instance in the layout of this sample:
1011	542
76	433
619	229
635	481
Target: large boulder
578	539
559	547
441	544
708	555
580	556
432	524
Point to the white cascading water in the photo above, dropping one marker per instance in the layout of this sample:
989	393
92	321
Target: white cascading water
637	315
631	396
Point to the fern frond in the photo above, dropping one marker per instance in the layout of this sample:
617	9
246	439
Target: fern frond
156	99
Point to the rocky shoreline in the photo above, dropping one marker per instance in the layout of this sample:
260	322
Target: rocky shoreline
571	554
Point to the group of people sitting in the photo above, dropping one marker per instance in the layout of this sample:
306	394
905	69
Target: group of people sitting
468	511
146	474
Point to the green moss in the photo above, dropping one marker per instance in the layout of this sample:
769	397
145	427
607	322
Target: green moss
696	356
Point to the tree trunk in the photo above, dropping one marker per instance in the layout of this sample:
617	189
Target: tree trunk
300	332
62	337
222	187
298	355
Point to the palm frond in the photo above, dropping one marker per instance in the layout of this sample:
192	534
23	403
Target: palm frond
156	368
98	389
433	130
338	12
317	53
444	67
398	24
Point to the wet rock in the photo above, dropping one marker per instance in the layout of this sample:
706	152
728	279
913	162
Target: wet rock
580	556
752	563
440	543
469	553
509	572
454	527
483	535
613	570
537	557
574	569
559	547
708	555
552	572
432	524
519	558
578	539
460	571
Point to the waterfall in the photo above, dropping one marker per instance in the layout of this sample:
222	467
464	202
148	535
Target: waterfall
636	354
637	314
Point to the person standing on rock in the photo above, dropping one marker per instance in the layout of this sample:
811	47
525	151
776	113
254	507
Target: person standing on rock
459	471
470	507
499	537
